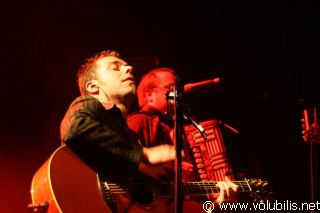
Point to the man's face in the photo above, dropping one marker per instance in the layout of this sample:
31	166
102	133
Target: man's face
115	79
166	80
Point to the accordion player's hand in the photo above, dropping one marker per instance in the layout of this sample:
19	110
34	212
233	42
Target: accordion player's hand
186	169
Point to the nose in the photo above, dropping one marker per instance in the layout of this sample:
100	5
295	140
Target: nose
128	69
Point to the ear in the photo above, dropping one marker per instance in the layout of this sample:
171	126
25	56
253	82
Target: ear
92	87
149	95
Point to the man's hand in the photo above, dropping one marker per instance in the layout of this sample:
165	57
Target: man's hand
228	191
186	169
159	154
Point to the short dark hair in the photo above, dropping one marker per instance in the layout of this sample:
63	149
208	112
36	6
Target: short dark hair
87	70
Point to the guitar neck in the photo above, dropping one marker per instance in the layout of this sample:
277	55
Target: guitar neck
166	189
195	188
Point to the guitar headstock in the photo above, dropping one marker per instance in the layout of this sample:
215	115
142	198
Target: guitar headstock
260	190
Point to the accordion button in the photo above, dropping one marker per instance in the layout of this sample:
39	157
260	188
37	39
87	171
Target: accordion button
197	155
196	150
200	165
203	176
201	171
199	160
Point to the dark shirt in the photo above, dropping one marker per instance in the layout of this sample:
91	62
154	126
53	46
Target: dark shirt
152	125
101	138
154	128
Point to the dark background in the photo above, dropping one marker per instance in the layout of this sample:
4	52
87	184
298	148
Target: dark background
268	53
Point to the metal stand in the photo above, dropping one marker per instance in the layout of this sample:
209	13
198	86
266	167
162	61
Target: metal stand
182	112
311	135
178	141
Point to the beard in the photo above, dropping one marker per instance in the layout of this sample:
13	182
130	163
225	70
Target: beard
128	95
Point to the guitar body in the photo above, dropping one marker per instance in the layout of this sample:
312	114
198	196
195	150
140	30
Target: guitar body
69	185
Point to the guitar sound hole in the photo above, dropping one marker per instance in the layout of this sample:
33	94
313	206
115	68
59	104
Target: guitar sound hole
142	196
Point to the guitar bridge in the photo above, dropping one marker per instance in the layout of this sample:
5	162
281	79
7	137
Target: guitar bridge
107	196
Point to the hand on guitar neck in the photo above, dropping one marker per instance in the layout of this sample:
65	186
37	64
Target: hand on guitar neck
154	156
228	191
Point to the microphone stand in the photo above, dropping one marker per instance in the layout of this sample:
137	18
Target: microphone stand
178	128
182	111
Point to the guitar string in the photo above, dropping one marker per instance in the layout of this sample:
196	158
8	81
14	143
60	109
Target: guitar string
211	186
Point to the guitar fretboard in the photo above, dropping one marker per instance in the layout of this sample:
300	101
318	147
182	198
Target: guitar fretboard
166	189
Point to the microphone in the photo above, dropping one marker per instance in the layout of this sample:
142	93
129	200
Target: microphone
200	85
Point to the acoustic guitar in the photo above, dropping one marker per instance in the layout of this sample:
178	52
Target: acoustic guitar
64	183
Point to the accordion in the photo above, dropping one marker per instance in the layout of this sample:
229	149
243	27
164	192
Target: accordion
208	156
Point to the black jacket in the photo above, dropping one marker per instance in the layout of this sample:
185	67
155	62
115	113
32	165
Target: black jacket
101	138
